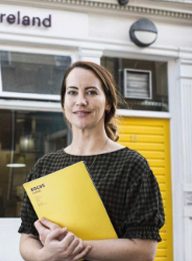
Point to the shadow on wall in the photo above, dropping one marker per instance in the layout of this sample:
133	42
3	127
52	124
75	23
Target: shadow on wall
9	239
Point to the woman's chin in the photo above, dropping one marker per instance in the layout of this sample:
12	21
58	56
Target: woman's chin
81	126
84	126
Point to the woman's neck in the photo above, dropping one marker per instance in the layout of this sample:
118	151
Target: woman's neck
87	144
92	145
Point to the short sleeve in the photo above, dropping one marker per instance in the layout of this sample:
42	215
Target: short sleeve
144	214
28	215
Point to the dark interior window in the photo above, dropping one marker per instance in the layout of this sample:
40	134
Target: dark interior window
24	137
32	73
135	83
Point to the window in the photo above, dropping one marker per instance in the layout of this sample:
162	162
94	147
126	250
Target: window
137	84
24	138
142	84
32	76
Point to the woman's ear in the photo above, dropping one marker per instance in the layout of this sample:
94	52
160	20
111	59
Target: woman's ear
107	107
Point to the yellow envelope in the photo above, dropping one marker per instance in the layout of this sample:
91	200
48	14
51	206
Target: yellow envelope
69	198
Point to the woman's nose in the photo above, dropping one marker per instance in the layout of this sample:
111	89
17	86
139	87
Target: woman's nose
81	100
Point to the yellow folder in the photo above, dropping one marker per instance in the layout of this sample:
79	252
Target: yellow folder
69	198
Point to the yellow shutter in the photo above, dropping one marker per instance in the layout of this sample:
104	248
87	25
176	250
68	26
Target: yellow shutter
150	137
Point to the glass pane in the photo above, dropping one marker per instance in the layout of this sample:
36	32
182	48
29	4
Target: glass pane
159	83
137	84
32	73
24	137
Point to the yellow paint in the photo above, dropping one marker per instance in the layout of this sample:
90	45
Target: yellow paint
150	137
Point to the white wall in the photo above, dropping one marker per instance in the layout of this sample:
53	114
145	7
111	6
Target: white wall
9	239
105	31
186	126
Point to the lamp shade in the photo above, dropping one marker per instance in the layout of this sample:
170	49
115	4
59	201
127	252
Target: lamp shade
27	143
16	165
123	2
143	32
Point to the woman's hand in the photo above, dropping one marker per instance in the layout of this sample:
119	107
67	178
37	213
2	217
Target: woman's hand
60	244
44	227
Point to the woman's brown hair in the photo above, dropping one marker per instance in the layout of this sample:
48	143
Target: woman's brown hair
109	88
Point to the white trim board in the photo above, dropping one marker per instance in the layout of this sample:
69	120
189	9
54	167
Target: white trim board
146	114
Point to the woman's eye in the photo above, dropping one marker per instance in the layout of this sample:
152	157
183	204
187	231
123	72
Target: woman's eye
92	92
71	92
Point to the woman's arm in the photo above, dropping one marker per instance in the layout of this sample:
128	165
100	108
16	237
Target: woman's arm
122	250
59	245
30	247
107	250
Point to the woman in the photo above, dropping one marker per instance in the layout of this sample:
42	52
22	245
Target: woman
123	179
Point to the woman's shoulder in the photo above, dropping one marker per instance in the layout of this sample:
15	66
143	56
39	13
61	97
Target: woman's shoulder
124	157
127	153
46	164
137	159
50	160
51	156
54	154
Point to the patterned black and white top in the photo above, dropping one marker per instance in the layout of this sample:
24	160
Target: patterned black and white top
126	185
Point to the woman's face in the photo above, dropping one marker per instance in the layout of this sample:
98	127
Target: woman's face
84	102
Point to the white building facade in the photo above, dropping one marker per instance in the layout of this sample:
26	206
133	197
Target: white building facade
94	30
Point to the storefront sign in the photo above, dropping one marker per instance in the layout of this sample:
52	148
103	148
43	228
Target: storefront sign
25	20
20	21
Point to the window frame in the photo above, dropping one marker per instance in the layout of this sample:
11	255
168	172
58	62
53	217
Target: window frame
126	71
33	96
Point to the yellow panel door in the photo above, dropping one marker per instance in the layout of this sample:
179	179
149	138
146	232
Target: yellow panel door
150	137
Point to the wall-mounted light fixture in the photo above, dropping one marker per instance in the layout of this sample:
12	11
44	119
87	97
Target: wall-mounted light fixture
16	165
27	143
143	32
123	2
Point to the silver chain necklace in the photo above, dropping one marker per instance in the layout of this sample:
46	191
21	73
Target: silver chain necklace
92	163
89	166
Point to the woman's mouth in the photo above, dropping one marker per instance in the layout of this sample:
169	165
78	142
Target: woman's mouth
82	113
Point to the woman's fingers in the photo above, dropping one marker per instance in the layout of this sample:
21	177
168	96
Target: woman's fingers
78	247
83	253
44	227
75	246
68	239
39	226
42	231
57	234
71	245
47	223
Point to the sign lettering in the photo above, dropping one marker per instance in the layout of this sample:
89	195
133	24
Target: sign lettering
26	20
